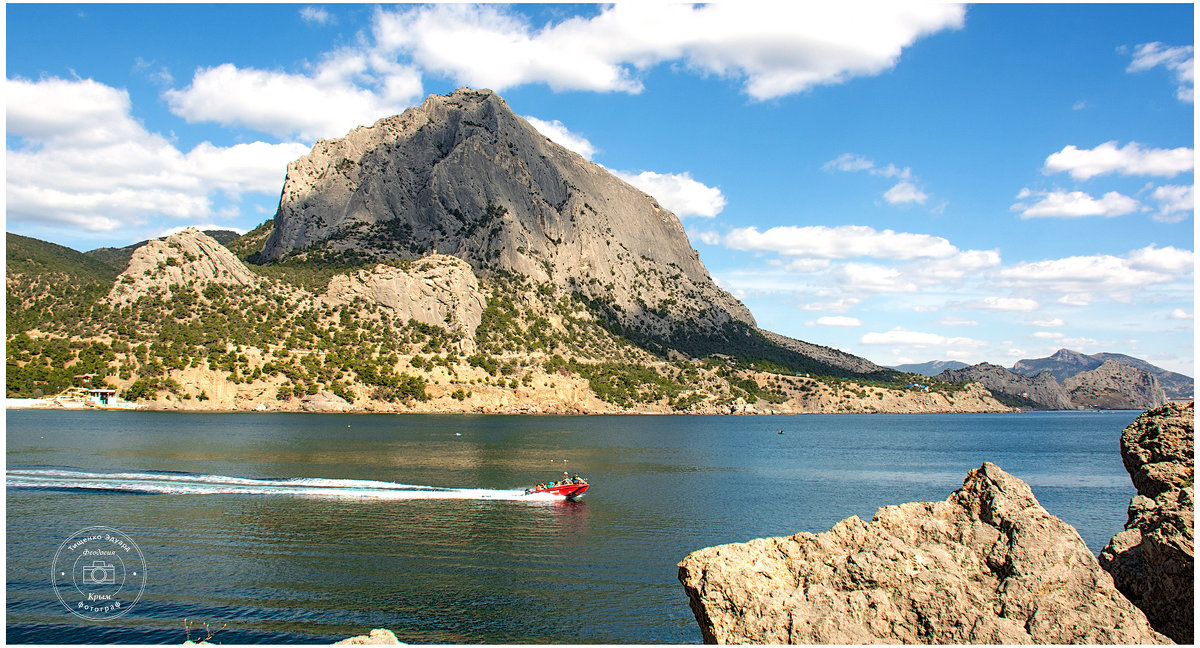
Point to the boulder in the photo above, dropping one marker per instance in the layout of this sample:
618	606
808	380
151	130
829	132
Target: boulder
987	565
1153	560
378	636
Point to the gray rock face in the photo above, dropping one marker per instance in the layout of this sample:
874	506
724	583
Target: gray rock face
440	291
1043	389
1114	385
1153	560
987	565
190	258
464	174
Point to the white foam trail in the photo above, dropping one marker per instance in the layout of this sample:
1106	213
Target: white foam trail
182	483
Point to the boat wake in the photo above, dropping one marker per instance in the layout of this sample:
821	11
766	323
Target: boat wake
196	484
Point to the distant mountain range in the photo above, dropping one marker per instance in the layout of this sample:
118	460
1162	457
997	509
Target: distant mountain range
1072	380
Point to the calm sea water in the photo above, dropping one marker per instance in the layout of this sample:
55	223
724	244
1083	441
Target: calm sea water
310	528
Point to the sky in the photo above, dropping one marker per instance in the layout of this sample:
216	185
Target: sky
903	181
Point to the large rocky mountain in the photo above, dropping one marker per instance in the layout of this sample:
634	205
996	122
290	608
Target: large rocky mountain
464	175
1065	363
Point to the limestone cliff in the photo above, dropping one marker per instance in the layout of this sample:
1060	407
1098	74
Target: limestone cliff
987	565
1153	560
190	258
1114	385
439	291
463	174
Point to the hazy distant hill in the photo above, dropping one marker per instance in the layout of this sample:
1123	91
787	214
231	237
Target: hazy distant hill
1065	363
931	368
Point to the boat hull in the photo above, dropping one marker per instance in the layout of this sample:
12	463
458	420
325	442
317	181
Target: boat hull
569	491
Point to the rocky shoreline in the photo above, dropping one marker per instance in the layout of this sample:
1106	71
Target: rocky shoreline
986	565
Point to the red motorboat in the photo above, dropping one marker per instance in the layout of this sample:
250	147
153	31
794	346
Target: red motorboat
571	489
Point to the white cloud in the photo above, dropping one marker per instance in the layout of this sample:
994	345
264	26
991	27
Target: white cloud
836	320
84	162
900	336
1179	60
315	15
1170	260
1118	278
867	277
1048	322
957	321
1006	304
1075	204
842	242
1174	202
346	90
1129	160
707	237
1180	314
905	192
558	133
678	192
776	49
849	162
1047	335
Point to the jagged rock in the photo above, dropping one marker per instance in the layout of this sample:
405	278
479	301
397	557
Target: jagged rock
1153	560
1042	390
440	290
378	636
987	565
191	259
1114	385
463	174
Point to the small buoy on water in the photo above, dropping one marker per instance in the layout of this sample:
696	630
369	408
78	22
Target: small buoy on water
458	434
781	431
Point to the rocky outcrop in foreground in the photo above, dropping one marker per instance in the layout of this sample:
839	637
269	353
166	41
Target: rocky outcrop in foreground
1153	560
378	637
987	565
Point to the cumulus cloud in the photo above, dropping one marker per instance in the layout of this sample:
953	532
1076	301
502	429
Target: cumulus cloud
83	162
901	336
347	90
1119	278
1075	204
558	133
1048	322
837	321
775	49
315	15
1179	60
905	192
1174	202
1006	304
1128	160
841	242
678	192
1180	314
957	321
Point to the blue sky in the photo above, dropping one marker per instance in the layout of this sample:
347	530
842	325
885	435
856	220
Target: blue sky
906	182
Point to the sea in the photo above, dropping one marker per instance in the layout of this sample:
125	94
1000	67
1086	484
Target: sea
310	528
